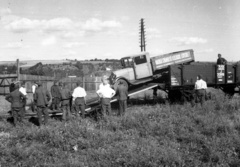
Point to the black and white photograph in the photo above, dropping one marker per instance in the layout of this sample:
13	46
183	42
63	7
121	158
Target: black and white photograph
111	83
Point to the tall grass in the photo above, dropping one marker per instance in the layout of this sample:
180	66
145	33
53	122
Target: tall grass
156	135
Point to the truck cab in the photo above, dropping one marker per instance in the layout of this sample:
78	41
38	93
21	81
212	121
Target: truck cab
134	68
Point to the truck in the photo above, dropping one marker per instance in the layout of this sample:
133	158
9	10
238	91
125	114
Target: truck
141	68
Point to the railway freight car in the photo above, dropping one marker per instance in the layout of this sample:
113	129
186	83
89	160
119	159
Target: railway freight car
179	80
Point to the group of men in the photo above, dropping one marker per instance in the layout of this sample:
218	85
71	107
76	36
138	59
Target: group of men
60	94
62	98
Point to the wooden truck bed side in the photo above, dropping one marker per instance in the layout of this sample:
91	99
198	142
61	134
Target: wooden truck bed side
163	61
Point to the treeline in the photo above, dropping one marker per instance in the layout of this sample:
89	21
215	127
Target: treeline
8	69
78	69
95	59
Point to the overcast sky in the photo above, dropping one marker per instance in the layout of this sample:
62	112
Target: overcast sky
86	29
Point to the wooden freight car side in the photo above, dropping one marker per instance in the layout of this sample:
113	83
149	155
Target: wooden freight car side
185	75
237	79
190	73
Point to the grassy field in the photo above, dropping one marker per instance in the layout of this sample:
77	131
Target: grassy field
147	135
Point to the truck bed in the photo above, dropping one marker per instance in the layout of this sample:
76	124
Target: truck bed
163	61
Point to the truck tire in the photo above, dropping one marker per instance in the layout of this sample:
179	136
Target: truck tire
117	83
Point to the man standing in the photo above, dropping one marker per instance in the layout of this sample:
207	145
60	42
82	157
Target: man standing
103	79
79	95
221	60
105	93
23	90
16	98
42	98
12	85
56	96
200	87
65	100
34	86
122	95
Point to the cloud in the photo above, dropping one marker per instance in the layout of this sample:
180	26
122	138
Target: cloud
5	11
72	34
94	24
23	25
62	26
188	40
205	51
49	41
74	44
153	33
58	24
15	45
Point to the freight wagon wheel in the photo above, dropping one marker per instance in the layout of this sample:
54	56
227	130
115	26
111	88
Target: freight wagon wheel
122	81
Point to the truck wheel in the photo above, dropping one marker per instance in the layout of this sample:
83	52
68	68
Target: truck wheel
123	82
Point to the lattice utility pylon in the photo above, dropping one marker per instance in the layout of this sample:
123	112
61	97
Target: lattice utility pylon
142	36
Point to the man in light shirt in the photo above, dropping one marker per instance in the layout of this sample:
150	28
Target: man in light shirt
103	79
79	95
105	93
200	87
23	90
34	86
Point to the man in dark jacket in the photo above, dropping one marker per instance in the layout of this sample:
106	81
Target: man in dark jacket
56	96
65	101
16	99
221	60
13	86
122	95
42	98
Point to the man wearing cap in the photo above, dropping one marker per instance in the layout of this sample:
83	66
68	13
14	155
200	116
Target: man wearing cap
200	87
12	86
221	60
122	95
56	96
42	98
16	98
79	95
65	101
105	93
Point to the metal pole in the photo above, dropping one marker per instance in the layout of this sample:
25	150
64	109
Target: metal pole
142	36
18	71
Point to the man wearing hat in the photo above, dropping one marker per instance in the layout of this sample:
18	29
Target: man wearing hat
56	96
200	87
79	100
16	98
65	101
42	98
122	95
